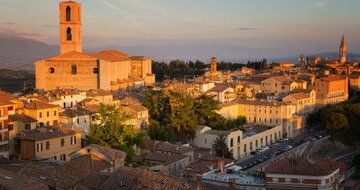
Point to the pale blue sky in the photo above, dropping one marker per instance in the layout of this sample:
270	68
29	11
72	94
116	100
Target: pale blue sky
302	24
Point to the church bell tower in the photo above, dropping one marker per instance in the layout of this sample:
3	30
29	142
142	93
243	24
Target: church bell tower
213	69
70	27
342	51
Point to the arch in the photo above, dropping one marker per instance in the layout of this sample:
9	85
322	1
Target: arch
68	14
68	34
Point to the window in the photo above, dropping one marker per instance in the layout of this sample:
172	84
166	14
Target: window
301	181
55	113
287	180
27	126
73	69
68	34
63	157
231	142
48	114
205	141
39	147
11	127
53	158
238	139
68	14
40	115
275	179
51	70
73	140
77	120
47	145
62	142
96	70
10	108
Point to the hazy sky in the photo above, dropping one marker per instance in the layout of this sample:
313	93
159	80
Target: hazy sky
303	25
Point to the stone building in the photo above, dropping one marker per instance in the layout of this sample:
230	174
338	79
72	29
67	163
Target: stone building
108	69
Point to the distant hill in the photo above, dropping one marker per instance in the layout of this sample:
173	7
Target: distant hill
20	53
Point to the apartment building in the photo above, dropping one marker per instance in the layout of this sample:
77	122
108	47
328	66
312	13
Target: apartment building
304	102
46	114
300	173
278	85
264	113
55	143
331	90
240	143
7	108
79	119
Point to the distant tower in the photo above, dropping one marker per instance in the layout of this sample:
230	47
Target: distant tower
342	51
70	27
213	66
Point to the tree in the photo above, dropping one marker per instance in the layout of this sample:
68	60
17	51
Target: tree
356	163
335	121
220	148
111	131
205	108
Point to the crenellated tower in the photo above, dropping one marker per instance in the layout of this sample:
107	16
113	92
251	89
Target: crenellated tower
70	27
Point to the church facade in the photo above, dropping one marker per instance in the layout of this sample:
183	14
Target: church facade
110	70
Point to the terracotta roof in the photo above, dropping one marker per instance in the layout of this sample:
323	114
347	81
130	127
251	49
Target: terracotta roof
75	112
137	58
252	102
283	80
36	105
331	78
301	166
300	96
73	55
140	179
110	55
47	133
22	118
6	98
97	92
12	180
166	147
163	157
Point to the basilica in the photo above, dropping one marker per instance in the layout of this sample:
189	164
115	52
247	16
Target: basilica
109	70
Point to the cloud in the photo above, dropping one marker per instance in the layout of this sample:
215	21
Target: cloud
9	30
320	4
11	23
248	28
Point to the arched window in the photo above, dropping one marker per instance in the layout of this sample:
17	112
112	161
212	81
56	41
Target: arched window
52	70
68	13
73	69
68	34
231	142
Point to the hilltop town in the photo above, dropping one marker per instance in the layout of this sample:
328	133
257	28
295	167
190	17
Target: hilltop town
105	120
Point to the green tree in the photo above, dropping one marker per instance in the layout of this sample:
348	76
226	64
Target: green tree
335	121
111	131
205	108
220	148
356	163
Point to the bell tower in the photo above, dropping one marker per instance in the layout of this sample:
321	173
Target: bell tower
213	70
70	27
342	51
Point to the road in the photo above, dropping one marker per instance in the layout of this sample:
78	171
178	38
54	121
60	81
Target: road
254	160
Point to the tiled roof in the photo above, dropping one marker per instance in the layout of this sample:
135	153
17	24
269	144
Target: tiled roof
252	102
47	133
300	96
219	88
331	78
139	179
36	105
301	166
97	92
22	118
283	80
75	112
137	58
12	180
73	55
163	157
6	98
166	147
110	55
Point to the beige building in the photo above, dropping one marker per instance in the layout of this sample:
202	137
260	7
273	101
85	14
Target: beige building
7	108
278	85
108	69
49	143
331	90
304	102
222	92
264	113
46	114
240	143
354	80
